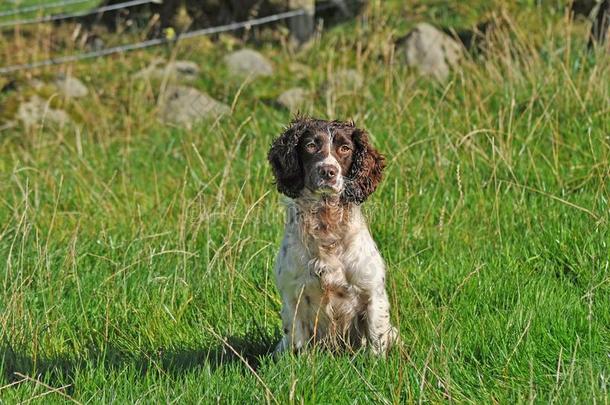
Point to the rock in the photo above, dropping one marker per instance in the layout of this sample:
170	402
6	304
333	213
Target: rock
37	84
249	63
7	125
431	51
37	111
345	80
70	86
293	98
184	70
184	106
94	43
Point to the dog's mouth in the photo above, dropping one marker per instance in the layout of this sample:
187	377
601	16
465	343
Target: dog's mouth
326	187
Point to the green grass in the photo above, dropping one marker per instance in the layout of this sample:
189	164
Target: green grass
9	6
137	258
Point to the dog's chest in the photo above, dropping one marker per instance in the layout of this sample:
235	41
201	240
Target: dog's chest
327	252
322	281
319	266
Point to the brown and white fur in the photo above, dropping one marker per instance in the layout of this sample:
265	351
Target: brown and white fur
329	271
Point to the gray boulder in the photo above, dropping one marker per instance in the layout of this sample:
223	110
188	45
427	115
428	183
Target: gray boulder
7	125
184	106
185	69
37	111
294	98
430	50
344	80
248	63
70	87
179	70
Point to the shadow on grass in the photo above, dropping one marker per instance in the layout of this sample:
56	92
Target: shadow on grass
59	370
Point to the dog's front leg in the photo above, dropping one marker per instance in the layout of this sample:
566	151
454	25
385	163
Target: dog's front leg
295	326
380	333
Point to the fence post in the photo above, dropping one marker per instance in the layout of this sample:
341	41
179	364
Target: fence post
302	26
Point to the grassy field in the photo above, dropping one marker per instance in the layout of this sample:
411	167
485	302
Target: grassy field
136	258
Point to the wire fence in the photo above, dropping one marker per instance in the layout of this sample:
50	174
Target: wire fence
153	42
65	16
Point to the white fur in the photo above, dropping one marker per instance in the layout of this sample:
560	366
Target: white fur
332	283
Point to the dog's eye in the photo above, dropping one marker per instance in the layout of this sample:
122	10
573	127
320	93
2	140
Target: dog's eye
344	149
311	146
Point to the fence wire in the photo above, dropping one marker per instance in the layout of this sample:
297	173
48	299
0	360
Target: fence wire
65	16
153	42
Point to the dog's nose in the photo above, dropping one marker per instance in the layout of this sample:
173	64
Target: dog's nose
327	172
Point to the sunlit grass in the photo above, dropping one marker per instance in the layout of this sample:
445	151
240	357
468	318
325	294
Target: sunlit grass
138	258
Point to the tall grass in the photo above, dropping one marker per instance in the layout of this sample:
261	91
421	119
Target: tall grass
137	257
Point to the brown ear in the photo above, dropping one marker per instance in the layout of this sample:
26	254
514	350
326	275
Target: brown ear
366	170
284	159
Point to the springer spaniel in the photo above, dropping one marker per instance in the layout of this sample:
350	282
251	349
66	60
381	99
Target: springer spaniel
329	271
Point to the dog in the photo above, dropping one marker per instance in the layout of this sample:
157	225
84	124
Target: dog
329	272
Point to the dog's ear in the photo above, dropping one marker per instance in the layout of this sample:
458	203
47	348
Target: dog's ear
366	170
284	159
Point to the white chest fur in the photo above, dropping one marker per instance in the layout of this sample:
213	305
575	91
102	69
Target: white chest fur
329	272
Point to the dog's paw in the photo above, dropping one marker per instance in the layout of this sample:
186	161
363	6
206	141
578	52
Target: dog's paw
385	341
281	346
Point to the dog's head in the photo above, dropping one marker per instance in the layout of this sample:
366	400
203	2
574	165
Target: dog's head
326	158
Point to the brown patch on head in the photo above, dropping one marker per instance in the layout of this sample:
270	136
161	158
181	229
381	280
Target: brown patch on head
285	161
366	169
315	153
